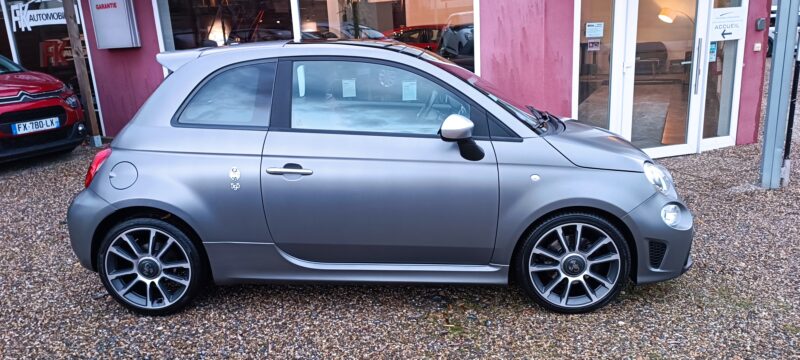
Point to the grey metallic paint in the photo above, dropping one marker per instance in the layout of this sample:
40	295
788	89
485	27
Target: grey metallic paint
377	208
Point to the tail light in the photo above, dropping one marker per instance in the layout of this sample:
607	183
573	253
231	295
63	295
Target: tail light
98	161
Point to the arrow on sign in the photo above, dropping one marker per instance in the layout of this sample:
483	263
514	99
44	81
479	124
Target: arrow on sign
726	33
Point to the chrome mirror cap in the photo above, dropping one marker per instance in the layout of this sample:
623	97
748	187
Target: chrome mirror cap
456	127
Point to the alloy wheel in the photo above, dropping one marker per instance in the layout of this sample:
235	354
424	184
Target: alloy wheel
574	265
147	268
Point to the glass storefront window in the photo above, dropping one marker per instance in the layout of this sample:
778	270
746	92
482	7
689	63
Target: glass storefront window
662	73
41	38
5	46
189	24
595	62
444	27
721	75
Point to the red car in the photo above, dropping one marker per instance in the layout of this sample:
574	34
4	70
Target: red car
421	36
38	114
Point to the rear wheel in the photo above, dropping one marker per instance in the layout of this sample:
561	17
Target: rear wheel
150	266
573	263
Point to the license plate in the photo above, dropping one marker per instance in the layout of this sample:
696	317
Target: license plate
34	126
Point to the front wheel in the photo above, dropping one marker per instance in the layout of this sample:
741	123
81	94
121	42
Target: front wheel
150	266
574	263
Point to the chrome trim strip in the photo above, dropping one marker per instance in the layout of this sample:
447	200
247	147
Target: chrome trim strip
23	96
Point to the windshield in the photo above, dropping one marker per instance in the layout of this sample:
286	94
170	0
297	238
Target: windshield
7	66
534	119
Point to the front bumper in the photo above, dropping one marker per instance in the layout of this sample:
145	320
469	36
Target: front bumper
83	217
662	252
63	138
69	134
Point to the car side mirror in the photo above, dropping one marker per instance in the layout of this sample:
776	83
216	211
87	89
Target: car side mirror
457	128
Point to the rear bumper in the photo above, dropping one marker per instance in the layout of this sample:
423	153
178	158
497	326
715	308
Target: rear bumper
662	252
83	217
63	138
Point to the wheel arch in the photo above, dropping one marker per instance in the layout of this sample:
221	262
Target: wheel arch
141	211
608	216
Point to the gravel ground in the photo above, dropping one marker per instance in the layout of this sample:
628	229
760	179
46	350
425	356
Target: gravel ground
739	301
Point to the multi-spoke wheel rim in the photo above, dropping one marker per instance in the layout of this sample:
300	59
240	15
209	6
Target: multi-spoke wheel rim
148	268
574	265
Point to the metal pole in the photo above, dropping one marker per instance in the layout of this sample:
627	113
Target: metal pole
787	150
78	58
777	119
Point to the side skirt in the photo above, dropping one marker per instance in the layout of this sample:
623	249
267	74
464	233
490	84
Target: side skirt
233	263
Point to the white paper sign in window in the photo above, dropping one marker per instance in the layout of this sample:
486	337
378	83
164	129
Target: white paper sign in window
410	90
348	88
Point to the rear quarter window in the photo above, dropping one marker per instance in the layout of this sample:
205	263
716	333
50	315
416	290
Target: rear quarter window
236	96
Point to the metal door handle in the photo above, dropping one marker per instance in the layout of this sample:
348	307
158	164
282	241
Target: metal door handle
699	65
288	171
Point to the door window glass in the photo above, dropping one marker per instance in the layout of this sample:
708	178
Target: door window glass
594	82
367	97
663	68
240	96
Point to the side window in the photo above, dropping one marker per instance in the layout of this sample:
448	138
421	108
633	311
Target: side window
410	36
434	35
240	96
368	97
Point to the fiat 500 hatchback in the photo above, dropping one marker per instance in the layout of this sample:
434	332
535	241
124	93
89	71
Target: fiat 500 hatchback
366	162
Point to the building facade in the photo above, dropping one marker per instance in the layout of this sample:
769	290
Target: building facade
673	76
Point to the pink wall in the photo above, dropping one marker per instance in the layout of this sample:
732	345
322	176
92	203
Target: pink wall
125	77
526	48
753	74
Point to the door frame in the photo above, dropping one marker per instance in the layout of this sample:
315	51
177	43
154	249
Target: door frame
730	139
621	80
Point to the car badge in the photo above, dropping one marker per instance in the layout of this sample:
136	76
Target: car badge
235	175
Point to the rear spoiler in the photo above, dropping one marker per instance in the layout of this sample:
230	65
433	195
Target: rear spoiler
173	60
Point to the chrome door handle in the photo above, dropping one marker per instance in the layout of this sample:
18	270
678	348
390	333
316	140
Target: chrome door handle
289	171
699	64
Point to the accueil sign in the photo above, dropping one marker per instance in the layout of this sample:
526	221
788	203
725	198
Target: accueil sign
23	18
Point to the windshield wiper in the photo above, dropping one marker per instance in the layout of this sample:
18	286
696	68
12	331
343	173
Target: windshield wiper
541	116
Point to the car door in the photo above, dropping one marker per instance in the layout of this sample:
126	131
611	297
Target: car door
354	171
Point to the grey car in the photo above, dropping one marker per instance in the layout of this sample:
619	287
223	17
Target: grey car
366	161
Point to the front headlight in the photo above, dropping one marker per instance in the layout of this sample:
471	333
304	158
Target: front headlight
72	101
658	176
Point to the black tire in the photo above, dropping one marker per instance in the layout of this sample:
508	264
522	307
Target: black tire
196	266
592	226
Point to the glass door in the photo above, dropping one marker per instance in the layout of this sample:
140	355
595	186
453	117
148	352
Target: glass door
664	75
723	80
596	65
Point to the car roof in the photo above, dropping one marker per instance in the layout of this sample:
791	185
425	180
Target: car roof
173	60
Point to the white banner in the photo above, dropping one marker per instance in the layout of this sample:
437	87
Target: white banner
25	19
728	24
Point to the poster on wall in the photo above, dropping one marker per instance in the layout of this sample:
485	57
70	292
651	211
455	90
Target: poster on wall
593	45
594	29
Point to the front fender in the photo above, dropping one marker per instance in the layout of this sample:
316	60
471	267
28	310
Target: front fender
560	185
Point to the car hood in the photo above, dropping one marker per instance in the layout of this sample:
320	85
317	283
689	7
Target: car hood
30	82
591	147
